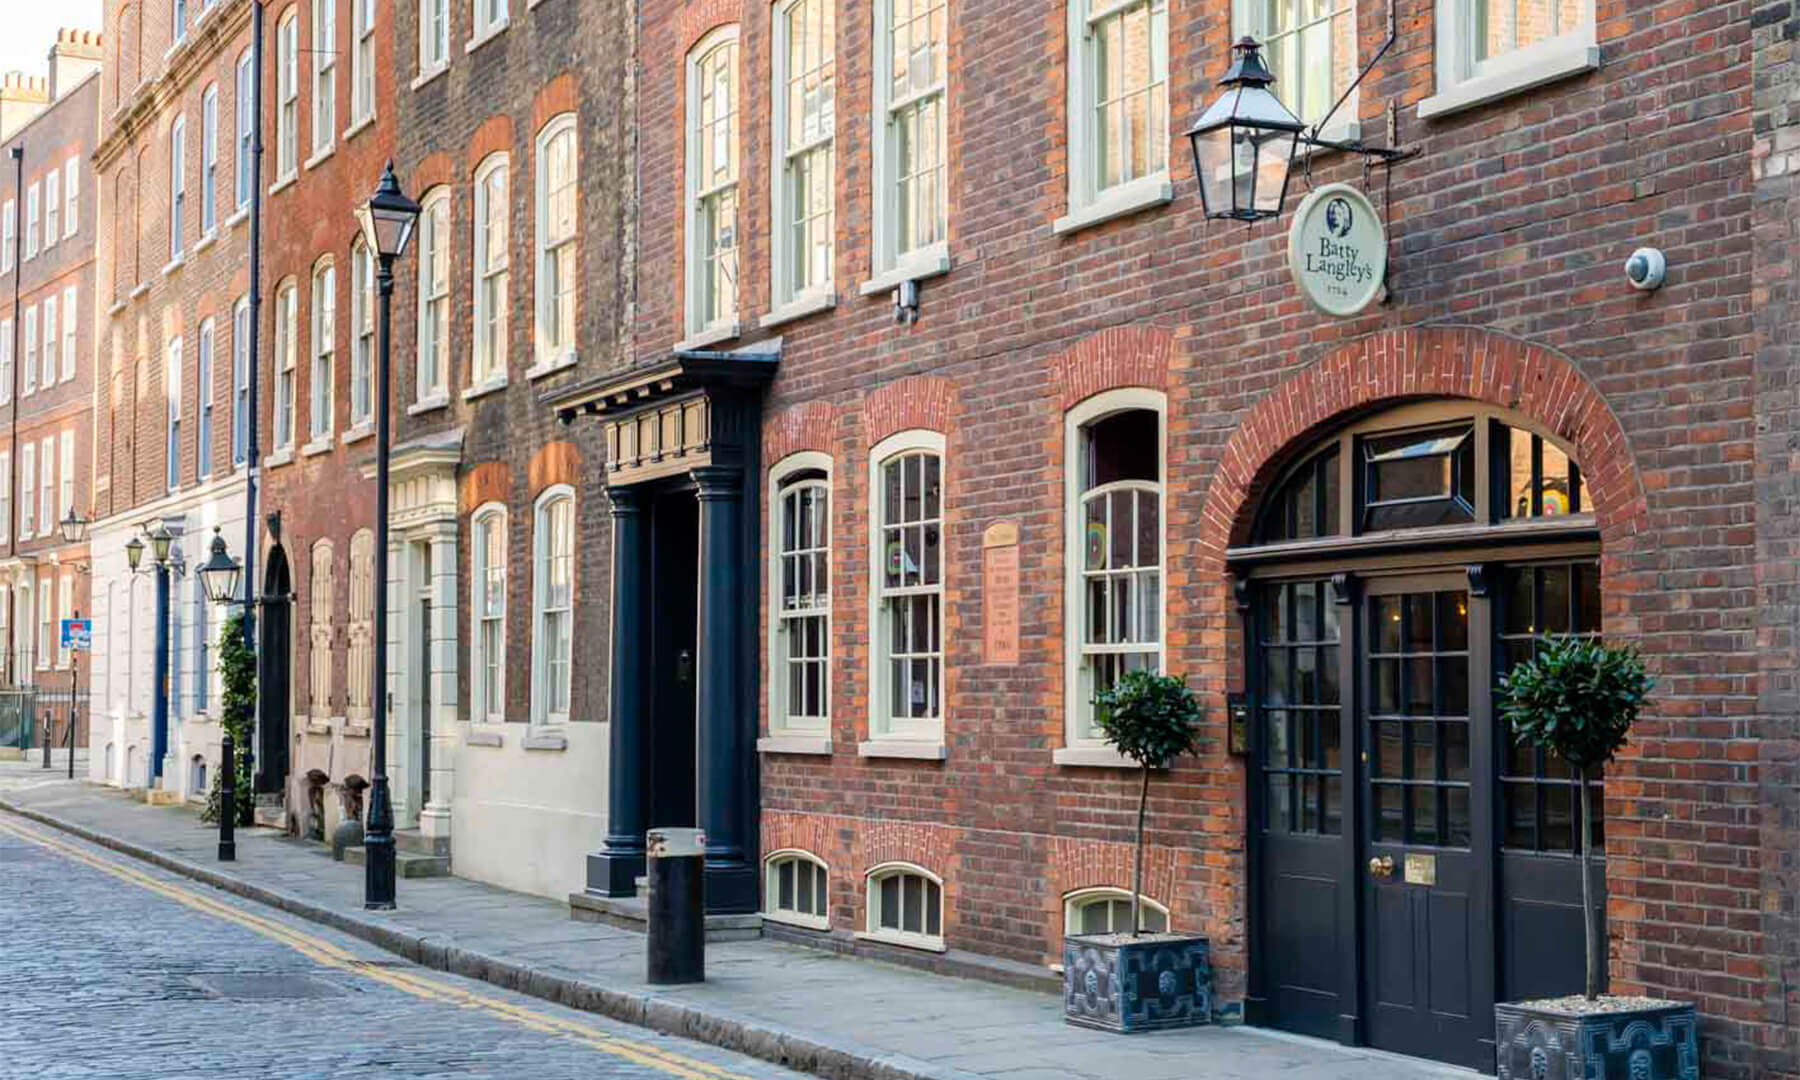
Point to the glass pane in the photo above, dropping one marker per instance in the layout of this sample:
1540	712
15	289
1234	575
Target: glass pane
1329	468
1455	750
1389	820
1418	623
934	908
1558	492
1274	610
1094	918
1387	687
1280	813
1453	621
913	889
1155	921
805	894
1587	598
1306	676
1559	817
1419	686
1277	689
1520	603
1389	750
1306	612
1329	693
784	876
1521	816
1453	686
1384	619
890	903
1556	600
1456	824
1309	804
1333	824
1424	815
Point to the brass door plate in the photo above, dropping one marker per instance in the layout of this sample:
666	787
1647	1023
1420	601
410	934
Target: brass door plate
1421	870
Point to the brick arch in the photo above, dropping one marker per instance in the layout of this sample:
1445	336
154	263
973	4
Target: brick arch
917	401
1114	358
490	481
559	95
556	463
702	17
494	136
800	427
434	171
1423	362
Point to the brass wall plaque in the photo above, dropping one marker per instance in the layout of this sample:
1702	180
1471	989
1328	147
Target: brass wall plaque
1421	869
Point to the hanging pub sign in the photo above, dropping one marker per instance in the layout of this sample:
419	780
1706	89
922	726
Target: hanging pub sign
1338	250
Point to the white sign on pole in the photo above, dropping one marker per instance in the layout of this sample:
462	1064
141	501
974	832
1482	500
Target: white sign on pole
1337	250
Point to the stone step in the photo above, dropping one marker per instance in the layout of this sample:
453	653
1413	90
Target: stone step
271	817
414	842
160	797
406	864
632	913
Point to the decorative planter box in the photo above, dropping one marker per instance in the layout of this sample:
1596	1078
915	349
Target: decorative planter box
1119	983
1611	1039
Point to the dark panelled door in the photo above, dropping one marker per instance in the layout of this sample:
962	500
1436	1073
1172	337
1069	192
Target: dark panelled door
1427	925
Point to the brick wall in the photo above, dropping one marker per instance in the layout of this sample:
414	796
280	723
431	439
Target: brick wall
1514	224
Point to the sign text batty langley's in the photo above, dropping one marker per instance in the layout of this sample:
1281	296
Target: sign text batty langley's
1337	250
1339	262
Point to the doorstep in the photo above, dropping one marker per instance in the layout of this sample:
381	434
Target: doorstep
632	913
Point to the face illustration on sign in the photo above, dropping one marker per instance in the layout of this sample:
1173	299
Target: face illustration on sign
1337	250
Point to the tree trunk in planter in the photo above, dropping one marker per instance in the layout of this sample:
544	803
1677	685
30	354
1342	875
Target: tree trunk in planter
1589	928
1137	870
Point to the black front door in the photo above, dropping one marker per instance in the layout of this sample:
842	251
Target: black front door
674	647
1428	924
274	660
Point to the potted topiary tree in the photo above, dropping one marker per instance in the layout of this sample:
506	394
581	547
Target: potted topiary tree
1134	981
237	709
1577	699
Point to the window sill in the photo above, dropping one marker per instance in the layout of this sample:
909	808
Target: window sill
173	265
206	241
550	366
910	749
320	156
804	922
795	744
362	431
486	36
282	184
279	458
1091	757
117	306
485	738
426	76
318	727
359	127
485	387
142	288
1117	202
425	405
545	741
354	730
922	944
1557	63
799	308
320	445
712	335
242	215
917	266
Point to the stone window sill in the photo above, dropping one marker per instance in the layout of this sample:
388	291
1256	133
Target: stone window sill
361	431
485	738
318	727
320	445
545	740
117	306
284	456
173	265
915	266
485	387
712	335
1117	202
903	941
426	77
804	922
242	215
550	366
1091	757
909	749
799	308
142	288
358	127
431	403
206	241
795	744
356	731
320	156
1559	62
282	184
486	36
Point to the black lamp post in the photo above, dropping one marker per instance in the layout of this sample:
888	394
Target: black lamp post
167	564
74	530
219	577
387	222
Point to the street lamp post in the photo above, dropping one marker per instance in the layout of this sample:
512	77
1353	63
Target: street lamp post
387	222
74	530
169	565
219	579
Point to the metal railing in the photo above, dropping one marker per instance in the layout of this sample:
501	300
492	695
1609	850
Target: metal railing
18	716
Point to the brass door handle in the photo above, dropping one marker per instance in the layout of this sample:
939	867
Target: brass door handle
1382	866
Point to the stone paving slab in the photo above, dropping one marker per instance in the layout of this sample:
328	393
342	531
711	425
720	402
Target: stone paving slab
832	1015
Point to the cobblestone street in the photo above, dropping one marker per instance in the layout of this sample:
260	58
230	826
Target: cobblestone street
113	969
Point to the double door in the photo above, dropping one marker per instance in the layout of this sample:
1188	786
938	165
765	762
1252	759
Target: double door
1377	799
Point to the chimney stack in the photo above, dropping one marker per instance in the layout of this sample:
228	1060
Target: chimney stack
22	97
76	55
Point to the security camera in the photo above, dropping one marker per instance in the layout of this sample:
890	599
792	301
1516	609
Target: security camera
906	303
1646	269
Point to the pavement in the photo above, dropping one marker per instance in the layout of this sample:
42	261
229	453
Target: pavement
800	1008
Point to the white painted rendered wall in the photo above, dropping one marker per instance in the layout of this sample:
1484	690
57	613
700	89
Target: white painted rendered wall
528	819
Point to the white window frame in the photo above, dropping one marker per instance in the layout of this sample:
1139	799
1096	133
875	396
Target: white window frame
816	732
209	160
541	712
1080	748
432	355
179	16
287	96
785	255
240	382
46	641
71	316
362	63
487	17
52	208
177	186
434	36
1073	902
549	352
905	737
1090	203
772	910
362	345
6	361
889	264
702	255
8	234
31	221
52	346
491	272
172	380
322	379
483	563
324	80
47	487
203	376
6	514
286	356
1463	82
65	475
71	195
30	361
872	908
244	104
27	489
1248	19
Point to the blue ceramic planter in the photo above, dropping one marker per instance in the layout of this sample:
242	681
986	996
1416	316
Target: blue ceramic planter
1660	1043
1137	984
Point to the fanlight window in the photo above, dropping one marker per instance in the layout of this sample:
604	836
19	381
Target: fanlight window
795	890
906	907
1108	911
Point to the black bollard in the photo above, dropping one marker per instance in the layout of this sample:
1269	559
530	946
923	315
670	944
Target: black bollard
677	932
227	800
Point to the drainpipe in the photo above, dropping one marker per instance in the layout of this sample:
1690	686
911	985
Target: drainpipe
12	455
251	458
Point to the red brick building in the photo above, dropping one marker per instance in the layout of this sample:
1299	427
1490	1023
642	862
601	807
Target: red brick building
995	326
48	276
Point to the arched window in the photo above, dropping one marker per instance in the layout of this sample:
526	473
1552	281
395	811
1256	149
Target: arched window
287	352
324	590
359	664
1108	911
906	693
488	605
287	95
804	135
557	198
434	296
197	778
553	599
493	208
324	91
800	604
906	906
1113	549
712	185
795	889
362	325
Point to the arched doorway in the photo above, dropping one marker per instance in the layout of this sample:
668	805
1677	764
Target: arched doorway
1409	865
273	699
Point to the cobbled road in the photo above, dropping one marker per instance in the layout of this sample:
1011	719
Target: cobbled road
112	968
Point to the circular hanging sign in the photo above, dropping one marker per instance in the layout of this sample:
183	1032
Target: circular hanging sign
1337	250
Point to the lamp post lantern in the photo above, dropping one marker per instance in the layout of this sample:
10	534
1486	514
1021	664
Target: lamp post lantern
219	577
387	222
1244	143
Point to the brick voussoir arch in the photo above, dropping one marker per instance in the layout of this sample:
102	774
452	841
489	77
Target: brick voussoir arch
1424	362
1117	357
917	401
800	427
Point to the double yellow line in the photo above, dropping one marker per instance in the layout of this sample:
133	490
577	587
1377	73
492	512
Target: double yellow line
418	985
